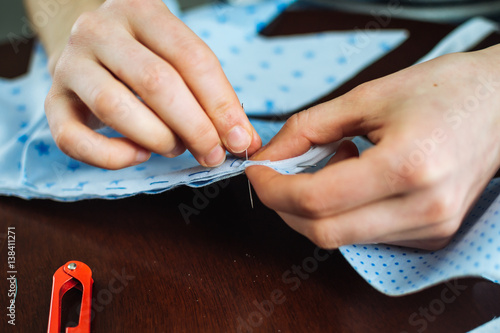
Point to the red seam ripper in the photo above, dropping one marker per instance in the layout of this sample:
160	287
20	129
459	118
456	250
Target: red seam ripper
66	278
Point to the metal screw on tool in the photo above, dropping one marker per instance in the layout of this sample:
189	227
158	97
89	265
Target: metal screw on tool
71	266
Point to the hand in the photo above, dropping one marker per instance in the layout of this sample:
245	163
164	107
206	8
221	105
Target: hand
126	47
436	127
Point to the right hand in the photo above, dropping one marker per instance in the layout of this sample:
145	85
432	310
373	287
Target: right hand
128	46
436	129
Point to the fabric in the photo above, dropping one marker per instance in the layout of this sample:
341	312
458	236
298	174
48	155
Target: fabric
473	252
259	68
270	76
273	75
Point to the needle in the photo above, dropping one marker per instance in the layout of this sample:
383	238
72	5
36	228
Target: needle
249	186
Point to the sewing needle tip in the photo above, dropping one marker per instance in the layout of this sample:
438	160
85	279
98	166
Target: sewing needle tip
249	185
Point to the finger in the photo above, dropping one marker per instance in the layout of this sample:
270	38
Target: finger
425	244
168	37
337	187
327	122
256	143
396	220
449	214
164	91
115	105
347	149
67	124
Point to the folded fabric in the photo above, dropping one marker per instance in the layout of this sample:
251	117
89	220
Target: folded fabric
473	252
259	68
271	76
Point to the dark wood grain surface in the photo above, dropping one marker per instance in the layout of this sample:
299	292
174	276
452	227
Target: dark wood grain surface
155	271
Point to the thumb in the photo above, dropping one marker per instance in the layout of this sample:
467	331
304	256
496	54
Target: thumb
321	124
347	149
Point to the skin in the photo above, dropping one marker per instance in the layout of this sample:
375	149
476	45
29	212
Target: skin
100	54
436	128
436	125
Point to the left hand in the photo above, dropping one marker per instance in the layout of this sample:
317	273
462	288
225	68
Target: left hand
436	127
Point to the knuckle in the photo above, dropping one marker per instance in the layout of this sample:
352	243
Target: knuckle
223	109
423	174
155	78
299	124
162	143
102	98
89	25
419	168
204	134
310	204
323	236
135	5
444	231
197	57
440	208
418	178
64	139
296	122
107	105
366	90
137	8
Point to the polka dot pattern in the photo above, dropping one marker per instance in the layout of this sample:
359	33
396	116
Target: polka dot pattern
268	74
474	251
309	66
34	167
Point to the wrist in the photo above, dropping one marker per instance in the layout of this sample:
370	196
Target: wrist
54	34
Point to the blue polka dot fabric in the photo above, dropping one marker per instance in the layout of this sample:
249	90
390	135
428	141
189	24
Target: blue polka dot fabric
33	167
272	75
474	251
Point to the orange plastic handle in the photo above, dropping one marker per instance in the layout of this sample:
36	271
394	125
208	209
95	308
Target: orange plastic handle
66	278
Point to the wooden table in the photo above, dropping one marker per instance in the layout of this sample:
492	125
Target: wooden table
231	268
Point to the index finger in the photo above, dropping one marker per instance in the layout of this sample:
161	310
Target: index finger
349	115
334	189
171	39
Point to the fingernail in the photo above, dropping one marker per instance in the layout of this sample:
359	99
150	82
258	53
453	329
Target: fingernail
238	139
142	156
178	150
216	157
